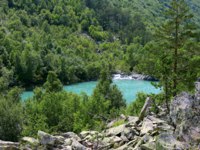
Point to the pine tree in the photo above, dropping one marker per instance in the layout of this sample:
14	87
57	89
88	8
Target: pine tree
170	56
53	84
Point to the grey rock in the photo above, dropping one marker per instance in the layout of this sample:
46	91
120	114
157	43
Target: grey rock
50	140
30	140
46	139
84	134
148	146
5	145
68	142
122	116
156	120
166	141
185	114
115	130
71	135
29	143
132	119
78	146
147	126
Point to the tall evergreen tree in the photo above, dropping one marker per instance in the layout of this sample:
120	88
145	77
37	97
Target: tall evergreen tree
171	55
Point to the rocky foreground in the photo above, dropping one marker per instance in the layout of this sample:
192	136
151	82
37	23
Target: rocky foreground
180	130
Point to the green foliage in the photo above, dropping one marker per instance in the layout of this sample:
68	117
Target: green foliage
63	42
53	112
74	38
11	116
135	107
118	123
52	84
169	56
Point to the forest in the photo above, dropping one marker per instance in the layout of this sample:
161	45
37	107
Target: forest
47	44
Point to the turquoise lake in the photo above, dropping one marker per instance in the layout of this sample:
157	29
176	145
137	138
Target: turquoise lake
129	88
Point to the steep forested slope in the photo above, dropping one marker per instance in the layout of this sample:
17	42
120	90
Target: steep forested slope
73	37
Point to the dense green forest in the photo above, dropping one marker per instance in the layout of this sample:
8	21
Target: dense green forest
74	37
57	42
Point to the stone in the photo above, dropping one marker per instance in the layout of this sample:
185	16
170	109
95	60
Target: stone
148	146
112	139
67	148
132	119
122	116
195	134
59	140
147	126
167	141
68	142
115	130
83	134
78	146
107	140
197	87
46	139
116	139
185	114
179	107
5	145
71	135
155	120
29	142
124	138
165	127
128	145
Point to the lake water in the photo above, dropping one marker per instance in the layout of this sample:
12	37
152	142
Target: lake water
129	88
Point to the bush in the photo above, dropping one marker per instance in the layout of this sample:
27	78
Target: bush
135	107
11	116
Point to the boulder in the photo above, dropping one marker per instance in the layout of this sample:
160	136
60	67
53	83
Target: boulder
84	134
116	139
46	139
112	140
148	146
197	87
67	148
5	145
132	119
147	126
129	145
29	142
115	130
185	114
71	135
78	146
68	142
149	78
167	141
195	134
59	140
50	140
155	120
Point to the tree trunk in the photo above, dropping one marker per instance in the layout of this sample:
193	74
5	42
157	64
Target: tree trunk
176	53
144	109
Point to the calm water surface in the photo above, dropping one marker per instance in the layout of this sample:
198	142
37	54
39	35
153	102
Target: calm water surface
129	88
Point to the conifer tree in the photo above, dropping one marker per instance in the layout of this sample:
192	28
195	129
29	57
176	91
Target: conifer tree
170	58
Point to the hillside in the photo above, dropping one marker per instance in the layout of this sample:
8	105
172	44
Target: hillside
71	37
47	44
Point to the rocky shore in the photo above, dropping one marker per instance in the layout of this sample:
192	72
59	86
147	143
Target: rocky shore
179	130
133	76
